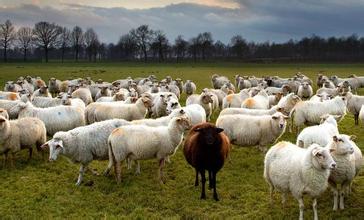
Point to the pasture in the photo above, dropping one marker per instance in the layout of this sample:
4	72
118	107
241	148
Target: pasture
39	188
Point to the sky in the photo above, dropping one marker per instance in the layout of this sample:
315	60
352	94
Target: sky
255	20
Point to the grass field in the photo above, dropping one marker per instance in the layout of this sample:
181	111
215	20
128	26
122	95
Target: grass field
37	188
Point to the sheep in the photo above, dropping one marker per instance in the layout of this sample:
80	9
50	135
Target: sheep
234	100
319	134
4	113
159	106
289	168
195	112
128	112
58	118
157	142
118	96
247	111
361	114
172	104
309	112
174	89
45	102
331	92
9	107
358	156
12	96
273	90
342	152
248	130
28	87
260	101
227	87
42	92
218	81
179	83
162	121
189	87
321	79
305	91
328	84
104	91
10	86
21	134
206	148
353	82
204	99
244	83
84	94
54	86
83	144
360	79
274	99
321	97
354	104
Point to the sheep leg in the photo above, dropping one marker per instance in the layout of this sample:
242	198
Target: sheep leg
211	185
137	171
160	171
118	171
341	196
314	207
284	199
336	195
196	179
216	197
30	153
301	206
356	117
203	180
80	175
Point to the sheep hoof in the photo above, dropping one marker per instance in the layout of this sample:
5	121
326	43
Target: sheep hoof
203	197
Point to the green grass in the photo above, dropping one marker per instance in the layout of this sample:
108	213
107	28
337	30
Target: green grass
40	189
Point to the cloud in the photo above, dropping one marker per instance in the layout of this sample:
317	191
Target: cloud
262	20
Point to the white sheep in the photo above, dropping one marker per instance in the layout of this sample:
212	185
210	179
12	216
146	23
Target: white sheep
291	169
321	97
11	96
332	92
42	92
305	90
9	107
84	94
118	96
157	142
58	118
310	112
204	99
83	144
195	112
103	92
235	100
218	81
54	86
247	111
172	104
162	121
259	101
319	134
23	133
248	130
128	112
159	106
274	99
189	87
45	102
354	104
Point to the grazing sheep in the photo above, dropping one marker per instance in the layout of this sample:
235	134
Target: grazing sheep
248	130
206	148
260	101
189	87
342	150
305	91
58	118
157	142
354	104
83	144
54	86
128	112
4	113
288	168
42	92
84	94
218	81
247	111
235	100
11	96
204	99
319	134
309	113
21	134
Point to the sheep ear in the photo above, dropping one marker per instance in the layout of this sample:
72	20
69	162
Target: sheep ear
44	146
219	130
316	152
335	138
274	117
352	137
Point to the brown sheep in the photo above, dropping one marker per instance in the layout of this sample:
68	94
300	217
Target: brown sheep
206	148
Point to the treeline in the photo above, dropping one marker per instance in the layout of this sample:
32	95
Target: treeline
47	41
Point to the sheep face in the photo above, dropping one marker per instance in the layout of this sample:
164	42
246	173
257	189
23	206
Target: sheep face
279	120
55	146
321	158
210	134
183	122
341	145
172	105
66	98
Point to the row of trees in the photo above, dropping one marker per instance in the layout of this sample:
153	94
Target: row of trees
46	40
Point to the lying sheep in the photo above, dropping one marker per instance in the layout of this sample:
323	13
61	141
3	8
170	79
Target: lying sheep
204	99
319	134
248	130
288	168
159	142
260	101
234	100
58	118
218	81
305	91
128	112
354	104
83	144
23	133
309	113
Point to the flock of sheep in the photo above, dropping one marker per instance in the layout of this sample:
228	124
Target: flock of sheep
105	121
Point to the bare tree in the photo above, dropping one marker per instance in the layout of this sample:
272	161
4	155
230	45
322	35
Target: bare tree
77	40
143	36
25	40
206	43
239	46
128	46
180	47
160	44
46	35
64	41
91	42
7	36
194	47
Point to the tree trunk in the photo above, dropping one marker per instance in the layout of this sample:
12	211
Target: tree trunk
62	54
25	54
46	53
5	55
